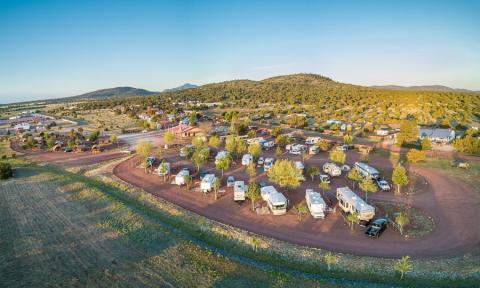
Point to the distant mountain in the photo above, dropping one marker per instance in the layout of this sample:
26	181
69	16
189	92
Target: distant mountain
438	88
114	92
183	87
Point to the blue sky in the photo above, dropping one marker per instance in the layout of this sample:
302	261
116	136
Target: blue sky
63	48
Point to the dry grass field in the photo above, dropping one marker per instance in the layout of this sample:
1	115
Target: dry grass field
56	231
105	118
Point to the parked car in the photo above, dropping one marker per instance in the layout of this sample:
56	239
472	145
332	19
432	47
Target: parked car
68	150
324	178
230	181
383	184
377	227
260	162
345	168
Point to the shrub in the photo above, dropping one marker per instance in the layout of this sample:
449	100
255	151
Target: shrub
5	170
414	156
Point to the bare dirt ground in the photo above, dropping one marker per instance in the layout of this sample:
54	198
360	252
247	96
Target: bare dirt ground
450	202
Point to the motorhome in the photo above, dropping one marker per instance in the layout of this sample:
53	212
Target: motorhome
332	169
247	159
366	170
180	177
268	163
208	182
312	140
313	150
239	190
276	201
315	204
221	155
352	203
161	171
296	149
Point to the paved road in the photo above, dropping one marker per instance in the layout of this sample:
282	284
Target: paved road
451	203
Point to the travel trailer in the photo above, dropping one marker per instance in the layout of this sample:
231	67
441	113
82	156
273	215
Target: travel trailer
208	181
255	140
179	178
313	150
352	203
315	204
239	190
296	149
366	170
332	169
276	201
166	171
246	159
268	144
268	163
312	140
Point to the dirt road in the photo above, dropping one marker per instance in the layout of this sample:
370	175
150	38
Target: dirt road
452	204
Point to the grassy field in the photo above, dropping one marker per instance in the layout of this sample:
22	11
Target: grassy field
105	118
59	232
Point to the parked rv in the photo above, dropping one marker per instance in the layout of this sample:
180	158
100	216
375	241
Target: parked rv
312	140
296	149
268	164
167	170
315	204
246	159
352	203
366	170
239	190
276	201
268	144
255	140
332	169
208	182
179	178
313	150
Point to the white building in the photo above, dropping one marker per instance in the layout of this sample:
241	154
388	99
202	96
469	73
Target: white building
437	135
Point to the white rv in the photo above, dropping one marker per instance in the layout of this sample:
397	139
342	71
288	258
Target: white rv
166	171
366	170
268	144
312	140
255	140
268	163
332	169
276	201
315	204
221	155
208	181
239	190
299	165
296	149
313	150
179	178
352	203
246	159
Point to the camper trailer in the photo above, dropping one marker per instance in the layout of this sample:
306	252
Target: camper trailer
332	169
239	190
296	149
247	159
352	203
276	201
312	140
208	182
166	172
179	178
255	140
366	170
268	144
315	204
313	150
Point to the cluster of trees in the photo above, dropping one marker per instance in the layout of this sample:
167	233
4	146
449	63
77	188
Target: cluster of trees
469	144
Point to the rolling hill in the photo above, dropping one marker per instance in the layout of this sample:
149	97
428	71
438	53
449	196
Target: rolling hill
183	87
438	88
113	92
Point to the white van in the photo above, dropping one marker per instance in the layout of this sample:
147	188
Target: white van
315	204
246	159
332	169
239	190
208	181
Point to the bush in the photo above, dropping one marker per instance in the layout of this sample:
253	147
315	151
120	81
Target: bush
414	156
4	156
5	170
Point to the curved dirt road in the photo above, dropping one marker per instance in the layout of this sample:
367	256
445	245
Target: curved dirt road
452	204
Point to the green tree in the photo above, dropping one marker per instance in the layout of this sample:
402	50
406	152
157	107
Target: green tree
354	176
399	177
231	144
408	132
285	174
240	147
50	142
255	150
403	266
94	136
414	156
426	145
200	157
162	168
168	137
253	193
113	138
214	141
402	220
324	186
5	170
322	145
278	151
368	186
224	163
144	148
186	179
330	259
313	171
283	140
198	142
352	218
276	131
301	209
251	170
347	139
337	156
216	186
